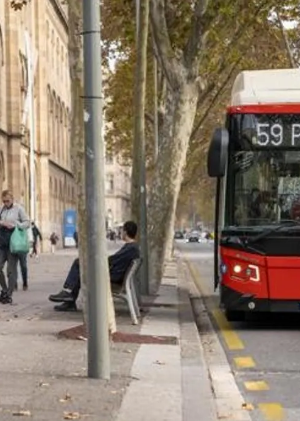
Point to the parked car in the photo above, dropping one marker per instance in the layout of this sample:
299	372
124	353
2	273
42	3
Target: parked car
178	235
193	237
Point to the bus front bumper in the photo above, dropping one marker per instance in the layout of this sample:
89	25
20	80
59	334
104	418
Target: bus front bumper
234	300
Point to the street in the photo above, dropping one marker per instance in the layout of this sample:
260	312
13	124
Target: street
263	352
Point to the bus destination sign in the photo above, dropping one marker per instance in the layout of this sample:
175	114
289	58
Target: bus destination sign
277	131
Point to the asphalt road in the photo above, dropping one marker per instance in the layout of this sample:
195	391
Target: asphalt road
264	353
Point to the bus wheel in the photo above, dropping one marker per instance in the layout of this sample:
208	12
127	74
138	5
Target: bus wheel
234	315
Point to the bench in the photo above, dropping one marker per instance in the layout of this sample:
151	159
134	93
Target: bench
128	291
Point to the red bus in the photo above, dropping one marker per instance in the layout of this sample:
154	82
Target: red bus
256	162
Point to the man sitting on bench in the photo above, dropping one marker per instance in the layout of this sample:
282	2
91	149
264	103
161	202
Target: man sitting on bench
119	263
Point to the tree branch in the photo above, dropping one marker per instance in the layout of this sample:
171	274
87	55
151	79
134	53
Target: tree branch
286	41
162	43
214	99
197	33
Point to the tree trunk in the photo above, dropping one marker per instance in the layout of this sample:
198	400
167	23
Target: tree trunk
139	108
77	148
178	122
77	136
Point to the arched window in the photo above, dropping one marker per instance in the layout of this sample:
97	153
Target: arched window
58	132
68	138
47	40
51	198
62	55
57	56
55	118
49	118
1	48
53	47
63	135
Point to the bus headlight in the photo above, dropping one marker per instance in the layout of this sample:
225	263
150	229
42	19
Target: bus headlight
237	269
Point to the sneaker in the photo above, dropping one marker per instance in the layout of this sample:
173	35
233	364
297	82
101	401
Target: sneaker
5	298
25	287
66	307
62	296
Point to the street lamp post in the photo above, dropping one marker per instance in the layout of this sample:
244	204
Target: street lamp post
97	267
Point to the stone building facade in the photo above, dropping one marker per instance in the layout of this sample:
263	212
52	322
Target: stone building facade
117	191
45	21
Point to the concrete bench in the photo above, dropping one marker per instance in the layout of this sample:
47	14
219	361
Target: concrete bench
128	291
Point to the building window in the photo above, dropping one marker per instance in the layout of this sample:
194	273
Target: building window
110	183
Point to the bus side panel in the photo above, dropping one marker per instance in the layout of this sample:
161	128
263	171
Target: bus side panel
250	266
284	277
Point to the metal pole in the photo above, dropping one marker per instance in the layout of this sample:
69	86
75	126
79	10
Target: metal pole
141	60
31	124
155	108
97	266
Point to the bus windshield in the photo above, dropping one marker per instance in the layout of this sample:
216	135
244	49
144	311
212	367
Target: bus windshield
263	176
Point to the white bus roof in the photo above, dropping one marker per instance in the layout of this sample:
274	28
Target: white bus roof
280	86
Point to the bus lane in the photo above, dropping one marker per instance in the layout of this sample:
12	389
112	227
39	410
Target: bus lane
263	352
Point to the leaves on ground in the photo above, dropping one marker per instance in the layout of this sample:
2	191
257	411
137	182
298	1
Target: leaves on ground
43	384
159	362
248	406
22	413
71	415
66	398
81	338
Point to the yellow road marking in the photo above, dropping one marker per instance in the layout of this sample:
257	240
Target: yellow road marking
272	411
256	386
231	338
244	362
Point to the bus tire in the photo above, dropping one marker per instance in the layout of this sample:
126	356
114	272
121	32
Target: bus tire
234	315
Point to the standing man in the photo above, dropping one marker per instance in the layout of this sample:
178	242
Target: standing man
12	215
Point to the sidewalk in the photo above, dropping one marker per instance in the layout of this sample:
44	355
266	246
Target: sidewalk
44	378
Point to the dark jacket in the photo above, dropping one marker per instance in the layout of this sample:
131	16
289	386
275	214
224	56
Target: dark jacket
36	233
120	262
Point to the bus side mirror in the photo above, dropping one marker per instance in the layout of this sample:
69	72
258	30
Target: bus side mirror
217	153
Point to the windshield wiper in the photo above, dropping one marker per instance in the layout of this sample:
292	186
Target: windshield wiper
244	245
287	224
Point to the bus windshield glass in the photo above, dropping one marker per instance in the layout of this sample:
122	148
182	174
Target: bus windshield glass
263	177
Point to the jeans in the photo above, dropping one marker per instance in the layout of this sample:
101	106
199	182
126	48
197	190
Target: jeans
72	281
12	270
24	269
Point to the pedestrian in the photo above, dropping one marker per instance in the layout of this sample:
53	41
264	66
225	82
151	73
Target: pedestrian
22	259
36	235
75	237
12	215
53	241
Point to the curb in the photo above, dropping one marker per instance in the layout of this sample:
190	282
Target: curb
197	397
228	398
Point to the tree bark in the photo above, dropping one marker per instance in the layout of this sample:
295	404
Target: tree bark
178	122
139	108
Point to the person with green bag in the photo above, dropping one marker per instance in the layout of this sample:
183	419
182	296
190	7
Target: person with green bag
14	223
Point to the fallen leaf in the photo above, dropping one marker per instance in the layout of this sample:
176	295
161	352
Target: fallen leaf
248	406
22	414
71	415
44	384
159	362
81	338
66	399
